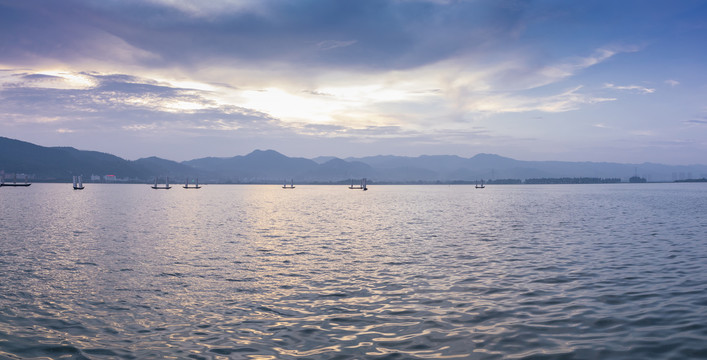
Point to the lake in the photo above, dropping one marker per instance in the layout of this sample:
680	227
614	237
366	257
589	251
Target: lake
614	271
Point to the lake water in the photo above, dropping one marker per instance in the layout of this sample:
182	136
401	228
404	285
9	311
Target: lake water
323	272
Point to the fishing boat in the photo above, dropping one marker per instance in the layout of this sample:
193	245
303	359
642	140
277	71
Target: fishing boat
165	186
291	186
78	182
14	182
480	186
196	184
359	187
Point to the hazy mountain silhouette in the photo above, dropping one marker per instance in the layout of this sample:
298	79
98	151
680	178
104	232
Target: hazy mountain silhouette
490	166
60	162
269	166
154	166
337	169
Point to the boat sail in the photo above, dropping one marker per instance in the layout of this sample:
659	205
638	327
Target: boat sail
359	187
196	184
292	184
14	181
78	182
480	186
165	186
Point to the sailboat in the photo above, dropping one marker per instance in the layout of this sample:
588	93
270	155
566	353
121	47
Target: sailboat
480	186
166	184
359	187
196	184
14	182
78	182
292	184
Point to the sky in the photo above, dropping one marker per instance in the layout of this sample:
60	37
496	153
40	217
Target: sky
615	81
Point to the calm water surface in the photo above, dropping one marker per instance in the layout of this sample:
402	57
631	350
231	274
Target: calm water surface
323	272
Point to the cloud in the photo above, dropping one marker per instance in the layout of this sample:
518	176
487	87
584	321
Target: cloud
315	93
119	102
571	66
698	122
208	9
333	44
672	83
124	105
160	33
631	88
568	100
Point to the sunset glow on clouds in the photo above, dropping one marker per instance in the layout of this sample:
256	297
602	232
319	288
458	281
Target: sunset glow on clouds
603	81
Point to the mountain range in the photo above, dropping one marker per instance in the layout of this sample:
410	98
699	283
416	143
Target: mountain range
269	166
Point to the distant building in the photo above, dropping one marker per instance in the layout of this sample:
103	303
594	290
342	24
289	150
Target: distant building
95	178
636	179
110	178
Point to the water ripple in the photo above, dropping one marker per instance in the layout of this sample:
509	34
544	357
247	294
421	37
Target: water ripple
516	272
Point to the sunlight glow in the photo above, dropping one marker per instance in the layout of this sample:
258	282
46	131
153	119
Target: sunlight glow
57	79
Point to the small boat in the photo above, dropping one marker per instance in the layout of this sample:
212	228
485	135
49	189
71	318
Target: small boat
480	186
14	182
165	186
292	184
196	184
359	187
78	182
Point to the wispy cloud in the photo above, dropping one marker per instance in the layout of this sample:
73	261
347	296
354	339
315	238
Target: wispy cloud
642	132
632	88
571	66
697	121
212	8
568	100
333	44
672	83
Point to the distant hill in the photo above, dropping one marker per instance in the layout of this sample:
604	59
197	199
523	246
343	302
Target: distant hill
154	166
269	166
490	166
60	162
337	169
258	166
